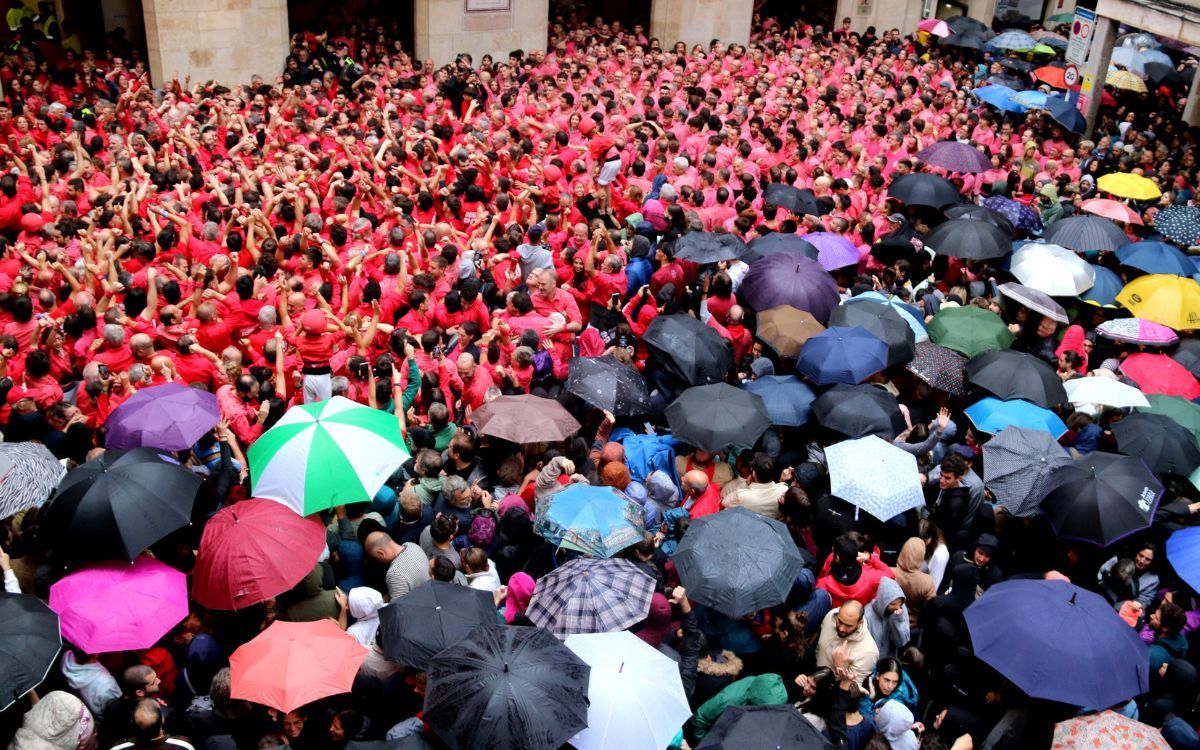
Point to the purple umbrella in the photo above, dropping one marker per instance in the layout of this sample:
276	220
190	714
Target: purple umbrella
833	250
1021	217
170	417
786	279
955	157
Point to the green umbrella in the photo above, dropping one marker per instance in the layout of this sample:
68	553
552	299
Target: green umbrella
1182	411
1058	18
969	330
325	454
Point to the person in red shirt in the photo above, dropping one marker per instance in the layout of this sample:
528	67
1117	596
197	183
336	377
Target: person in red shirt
476	381
851	574
315	346
701	496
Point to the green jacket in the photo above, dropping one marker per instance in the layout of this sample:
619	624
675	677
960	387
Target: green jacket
760	690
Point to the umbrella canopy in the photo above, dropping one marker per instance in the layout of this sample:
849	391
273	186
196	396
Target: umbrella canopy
1052	75
716	417
1019	215
969	330
1065	113
608	385
525	419
1086	233
785	329
787	279
1183	550
1156	257
423	622
1052	270
1188	355
1179	224
1010	374
1137	331
970	239
794	199
597	521
1171	300
885	323
291	664
1110	209
924	189
1166	446
953	156
1013	39
973	212
993	415
964	39
999	96
326	453
776	243
1057	641
171	417
911	315
935	26
737	561
1035	300
843	355
1129	185
1104	292
939	367
688	349
1105	392
507	689
1106	729
833	250
1183	411
1016	463
776	726
590	595
252	551
29	472
966	24
1030	99
859	410
119	504
1158	373
120	607
787	398
411	742
635	694
710	247
1100	498
29	644
1125	81
875	476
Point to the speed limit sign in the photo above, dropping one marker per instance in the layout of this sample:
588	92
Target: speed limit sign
1071	75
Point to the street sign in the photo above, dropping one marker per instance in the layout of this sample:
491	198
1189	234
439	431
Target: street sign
1081	35
1071	75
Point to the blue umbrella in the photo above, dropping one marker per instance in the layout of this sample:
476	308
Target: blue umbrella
1030	99
999	97
1183	550
1058	642
993	414
1156	257
597	521
842	355
914	317
1019	215
787	398
1104	292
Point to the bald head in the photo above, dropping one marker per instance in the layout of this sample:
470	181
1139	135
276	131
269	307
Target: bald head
848	618
695	482
465	365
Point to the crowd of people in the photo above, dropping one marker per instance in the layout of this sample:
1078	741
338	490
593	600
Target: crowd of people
423	240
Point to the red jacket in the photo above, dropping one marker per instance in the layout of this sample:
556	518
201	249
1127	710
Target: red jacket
863	590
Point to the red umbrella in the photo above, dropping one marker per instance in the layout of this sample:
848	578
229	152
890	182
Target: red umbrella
252	551
292	664
1159	374
1111	209
1053	76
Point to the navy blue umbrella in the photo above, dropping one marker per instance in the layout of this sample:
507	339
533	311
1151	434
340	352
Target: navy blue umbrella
1065	113
842	355
1156	257
1059	642
1106	288
787	398
788	279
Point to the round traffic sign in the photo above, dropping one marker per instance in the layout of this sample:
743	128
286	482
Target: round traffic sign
1071	75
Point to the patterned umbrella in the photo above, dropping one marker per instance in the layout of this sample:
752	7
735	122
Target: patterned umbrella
29	472
1019	215
1086	233
1111	209
1125	81
1013	39
939	367
1106	729
590	595
786	328
875	476
1137	331
1015	464
1179	224
1051	269
597	521
955	157
1035	300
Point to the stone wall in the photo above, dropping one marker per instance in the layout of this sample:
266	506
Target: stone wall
701	21
222	40
443	29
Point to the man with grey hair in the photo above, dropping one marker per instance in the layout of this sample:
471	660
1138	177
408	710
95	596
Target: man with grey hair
110	349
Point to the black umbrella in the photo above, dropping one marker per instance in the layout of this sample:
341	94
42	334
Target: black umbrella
430	617
1009	374
961	24
1086	233
794	199
1166	446
688	349
606	384
1012	82
710	247
411	742
716	417
507	688
1188	355
737	562
971	239
29	643
742	727
776	242
981	213
1100	498
965	39
885	323
119	504
859	410
924	189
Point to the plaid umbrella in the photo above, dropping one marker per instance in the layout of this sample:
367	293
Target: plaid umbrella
1015	464
1179	224
1014	39
875	476
1125	81
589	595
1086	233
955	157
1034	300
29	472
939	367
1019	215
1106	729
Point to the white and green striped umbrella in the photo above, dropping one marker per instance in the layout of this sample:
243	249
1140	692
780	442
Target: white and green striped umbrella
325	454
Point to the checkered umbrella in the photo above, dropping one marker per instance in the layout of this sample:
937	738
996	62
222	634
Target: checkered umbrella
29	472
1014	39
955	157
875	476
590	595
1179	224
1015	464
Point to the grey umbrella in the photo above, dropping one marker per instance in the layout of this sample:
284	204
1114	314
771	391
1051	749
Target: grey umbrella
29	472
1015	464
1033	299
1084	233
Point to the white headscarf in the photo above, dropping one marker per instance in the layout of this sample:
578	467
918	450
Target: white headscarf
365	603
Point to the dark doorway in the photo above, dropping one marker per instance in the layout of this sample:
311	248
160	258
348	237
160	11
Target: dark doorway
574	14
812	12
347	16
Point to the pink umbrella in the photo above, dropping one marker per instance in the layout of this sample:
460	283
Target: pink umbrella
119	606
1159	374
1137	331
935	26
1110	209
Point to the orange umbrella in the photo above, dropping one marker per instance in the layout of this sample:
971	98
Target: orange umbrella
291	664
1053	76
1110	209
